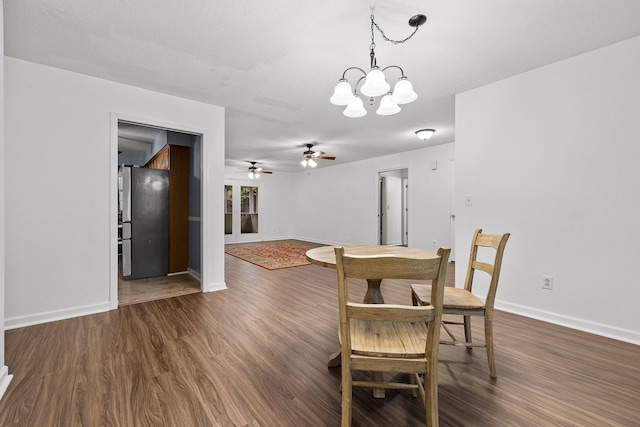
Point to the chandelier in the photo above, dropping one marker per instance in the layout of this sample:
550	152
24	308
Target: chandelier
375	82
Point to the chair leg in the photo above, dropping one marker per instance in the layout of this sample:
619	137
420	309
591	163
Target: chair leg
346	387
431	398
467	332
414	380
488	339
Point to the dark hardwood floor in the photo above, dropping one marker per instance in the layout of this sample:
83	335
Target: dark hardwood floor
256	354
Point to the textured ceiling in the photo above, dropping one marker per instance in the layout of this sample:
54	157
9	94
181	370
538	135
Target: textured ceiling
273	64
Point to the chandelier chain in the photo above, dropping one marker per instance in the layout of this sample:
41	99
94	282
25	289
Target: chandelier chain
384	36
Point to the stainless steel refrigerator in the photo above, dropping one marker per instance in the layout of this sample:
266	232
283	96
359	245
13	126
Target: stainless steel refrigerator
144	202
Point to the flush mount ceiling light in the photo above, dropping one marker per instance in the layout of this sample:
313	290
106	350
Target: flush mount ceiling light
425	134
375	82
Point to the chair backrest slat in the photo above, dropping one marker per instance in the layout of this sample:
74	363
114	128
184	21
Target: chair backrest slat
483	266
390	267
488	240
390	312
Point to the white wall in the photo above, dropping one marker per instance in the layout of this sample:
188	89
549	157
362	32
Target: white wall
277	212
5	378
277	218
551	156
339	204
59	195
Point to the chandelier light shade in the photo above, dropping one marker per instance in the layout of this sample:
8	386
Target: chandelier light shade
387	106
425	134
375	82
403	92
355	108
342	95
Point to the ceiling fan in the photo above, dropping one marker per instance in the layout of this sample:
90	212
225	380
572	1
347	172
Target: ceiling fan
255	172
309	157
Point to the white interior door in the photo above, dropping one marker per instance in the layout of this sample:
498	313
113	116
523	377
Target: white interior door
242	211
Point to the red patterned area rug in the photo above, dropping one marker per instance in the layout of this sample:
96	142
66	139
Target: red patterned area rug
273	256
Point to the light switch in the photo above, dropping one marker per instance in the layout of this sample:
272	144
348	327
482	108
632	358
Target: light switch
467	200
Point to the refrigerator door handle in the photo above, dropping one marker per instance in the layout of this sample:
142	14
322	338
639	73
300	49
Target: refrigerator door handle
126	194
126	230
126	257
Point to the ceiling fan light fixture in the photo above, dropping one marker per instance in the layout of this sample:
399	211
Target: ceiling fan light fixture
403	91
312	163
425	134
355	108
342	94
387	106
304	163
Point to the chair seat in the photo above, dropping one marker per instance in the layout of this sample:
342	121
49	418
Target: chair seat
388	339
454	298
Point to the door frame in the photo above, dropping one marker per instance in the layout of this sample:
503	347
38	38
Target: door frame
451	184
115	118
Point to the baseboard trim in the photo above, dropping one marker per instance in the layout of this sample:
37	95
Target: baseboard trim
52	316
177	273
620	334
5	379
191	272
213	287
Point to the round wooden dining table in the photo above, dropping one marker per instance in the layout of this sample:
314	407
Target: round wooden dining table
325	256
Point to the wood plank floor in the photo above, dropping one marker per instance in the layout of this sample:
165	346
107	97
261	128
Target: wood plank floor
152	288
255	355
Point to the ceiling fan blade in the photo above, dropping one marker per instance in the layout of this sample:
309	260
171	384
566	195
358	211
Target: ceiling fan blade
326	157
267	172
317	153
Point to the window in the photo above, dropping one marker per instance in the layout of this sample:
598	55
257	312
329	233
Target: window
248	209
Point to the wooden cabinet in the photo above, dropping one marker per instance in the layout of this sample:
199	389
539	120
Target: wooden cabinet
176	159
161	159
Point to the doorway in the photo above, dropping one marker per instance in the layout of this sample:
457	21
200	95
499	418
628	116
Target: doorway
242	211
178	154
393	212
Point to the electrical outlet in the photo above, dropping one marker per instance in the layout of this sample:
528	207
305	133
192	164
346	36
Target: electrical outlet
547	282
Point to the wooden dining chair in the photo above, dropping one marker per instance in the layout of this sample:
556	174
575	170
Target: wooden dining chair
387	337
461	301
